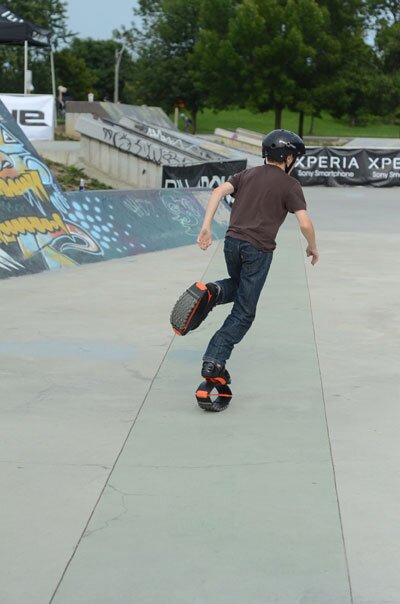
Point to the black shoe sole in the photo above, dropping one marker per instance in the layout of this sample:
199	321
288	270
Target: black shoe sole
183	316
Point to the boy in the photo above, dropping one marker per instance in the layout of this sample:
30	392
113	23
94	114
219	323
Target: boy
263	197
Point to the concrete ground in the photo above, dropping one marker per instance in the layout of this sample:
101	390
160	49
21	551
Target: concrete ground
117	488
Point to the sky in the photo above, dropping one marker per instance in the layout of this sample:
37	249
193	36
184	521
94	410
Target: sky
98	18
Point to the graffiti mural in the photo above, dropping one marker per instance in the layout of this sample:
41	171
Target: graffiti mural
42	227
144	141
125	223
34	234
142	147
176	140
104	225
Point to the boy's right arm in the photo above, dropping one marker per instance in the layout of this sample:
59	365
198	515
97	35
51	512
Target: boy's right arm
307	229
204	239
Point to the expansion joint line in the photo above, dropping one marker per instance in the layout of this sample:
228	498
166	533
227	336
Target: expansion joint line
327	429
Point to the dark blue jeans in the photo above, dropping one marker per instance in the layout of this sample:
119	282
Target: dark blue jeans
248	269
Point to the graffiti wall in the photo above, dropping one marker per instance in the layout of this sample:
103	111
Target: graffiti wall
41	227
149	143
31	205
124	223
102	225
172	138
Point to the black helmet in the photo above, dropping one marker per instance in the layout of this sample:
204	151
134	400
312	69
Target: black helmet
278	144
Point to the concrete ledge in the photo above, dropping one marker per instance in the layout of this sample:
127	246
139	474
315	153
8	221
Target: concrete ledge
237	140
63	152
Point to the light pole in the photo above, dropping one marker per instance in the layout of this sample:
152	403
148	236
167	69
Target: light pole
118	57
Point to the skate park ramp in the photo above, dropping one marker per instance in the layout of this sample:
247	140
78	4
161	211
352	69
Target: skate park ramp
42	227
117	111
148	120
152	141
124	149
118	488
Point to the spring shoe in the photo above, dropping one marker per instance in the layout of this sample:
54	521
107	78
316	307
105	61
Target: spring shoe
215	372
212	299
193	306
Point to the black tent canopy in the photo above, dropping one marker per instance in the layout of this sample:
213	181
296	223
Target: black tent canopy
16	31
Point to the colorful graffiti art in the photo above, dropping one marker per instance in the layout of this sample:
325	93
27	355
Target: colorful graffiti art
42	227
127	223
33	232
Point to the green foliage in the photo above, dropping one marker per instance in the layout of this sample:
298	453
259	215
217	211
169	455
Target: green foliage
163	48
271	54
385	10
306	55
387	42
386	94
11	69
73	73
349	89
99	58
69	177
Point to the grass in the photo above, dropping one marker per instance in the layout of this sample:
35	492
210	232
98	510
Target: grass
69	177
208	120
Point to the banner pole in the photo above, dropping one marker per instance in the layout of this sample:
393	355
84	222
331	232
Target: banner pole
53	83
26	67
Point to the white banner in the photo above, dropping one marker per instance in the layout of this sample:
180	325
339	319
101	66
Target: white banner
34	113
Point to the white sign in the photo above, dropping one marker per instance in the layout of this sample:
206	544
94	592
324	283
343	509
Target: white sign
34	113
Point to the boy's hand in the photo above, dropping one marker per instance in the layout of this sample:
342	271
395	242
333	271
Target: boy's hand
204	239
310	251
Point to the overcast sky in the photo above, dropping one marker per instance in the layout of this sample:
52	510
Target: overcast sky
98	18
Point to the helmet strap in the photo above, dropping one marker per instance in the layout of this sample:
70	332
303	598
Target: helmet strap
288	167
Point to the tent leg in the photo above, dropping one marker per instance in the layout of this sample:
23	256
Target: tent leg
53	83
26	67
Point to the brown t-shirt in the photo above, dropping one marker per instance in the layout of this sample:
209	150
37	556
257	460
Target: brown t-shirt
263	197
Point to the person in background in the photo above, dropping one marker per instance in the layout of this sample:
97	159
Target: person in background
187	122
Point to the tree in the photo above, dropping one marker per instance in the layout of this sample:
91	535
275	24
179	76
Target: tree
73	73
350	94
386	23
386	10
99	58
306	55
348	90
246	57
317	55
215	65
163	49
265	55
